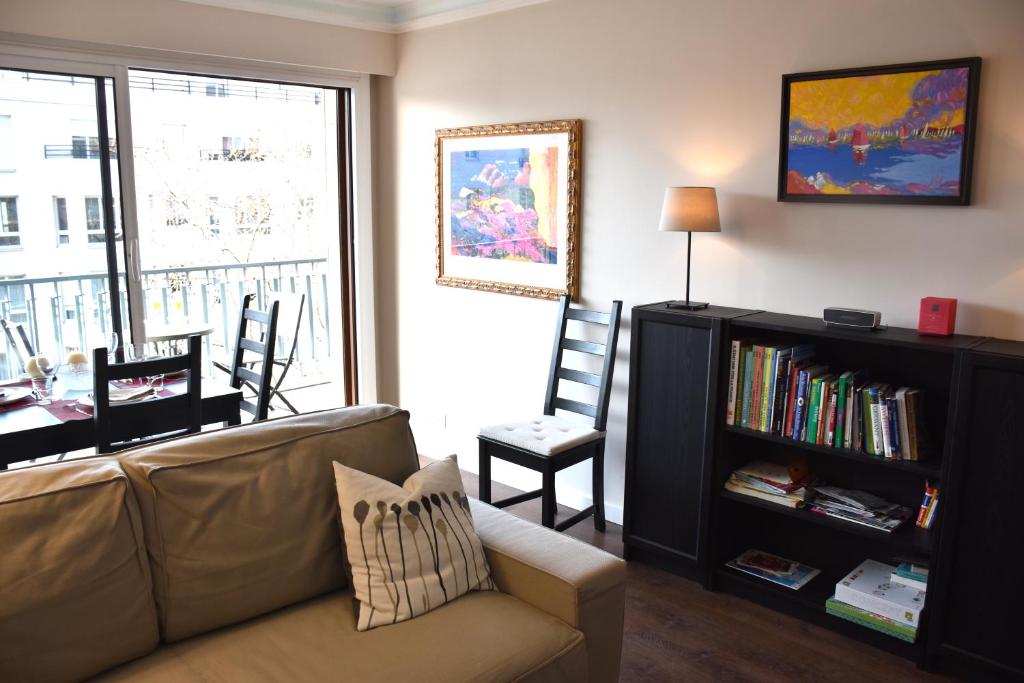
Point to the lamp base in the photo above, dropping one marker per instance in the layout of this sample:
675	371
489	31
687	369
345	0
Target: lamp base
687	305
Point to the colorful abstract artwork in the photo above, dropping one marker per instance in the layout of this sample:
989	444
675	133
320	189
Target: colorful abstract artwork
508	207
504	204
901	134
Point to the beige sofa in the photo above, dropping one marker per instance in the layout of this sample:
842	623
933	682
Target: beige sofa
218	557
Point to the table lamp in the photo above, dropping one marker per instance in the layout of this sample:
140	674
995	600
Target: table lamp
689	210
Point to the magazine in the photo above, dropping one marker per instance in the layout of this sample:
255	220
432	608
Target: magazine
773	568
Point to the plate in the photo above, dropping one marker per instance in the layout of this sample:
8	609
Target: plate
119	396
14	394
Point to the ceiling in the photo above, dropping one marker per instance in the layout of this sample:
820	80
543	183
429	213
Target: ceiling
391	16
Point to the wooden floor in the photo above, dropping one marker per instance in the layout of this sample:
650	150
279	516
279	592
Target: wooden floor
677	631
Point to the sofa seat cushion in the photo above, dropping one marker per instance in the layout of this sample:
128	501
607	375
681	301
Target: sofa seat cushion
545	435
483	636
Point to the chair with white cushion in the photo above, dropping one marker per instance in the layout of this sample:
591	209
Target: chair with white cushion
550	443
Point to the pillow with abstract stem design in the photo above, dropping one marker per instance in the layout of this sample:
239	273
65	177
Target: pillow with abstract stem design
411	548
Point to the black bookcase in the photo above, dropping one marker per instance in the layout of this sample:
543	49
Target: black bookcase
680	452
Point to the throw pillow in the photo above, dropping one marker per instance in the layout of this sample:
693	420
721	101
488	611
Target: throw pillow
412	548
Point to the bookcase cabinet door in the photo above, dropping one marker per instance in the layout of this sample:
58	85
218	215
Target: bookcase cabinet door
979	600
673	383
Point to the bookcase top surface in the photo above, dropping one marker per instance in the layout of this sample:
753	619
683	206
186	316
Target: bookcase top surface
720	312
1004	347
893	336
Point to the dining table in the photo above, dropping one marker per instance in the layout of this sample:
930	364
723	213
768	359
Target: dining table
29	430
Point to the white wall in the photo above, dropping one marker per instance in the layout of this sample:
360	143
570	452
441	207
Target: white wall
678	93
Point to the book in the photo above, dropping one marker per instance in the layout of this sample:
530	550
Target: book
767	384
776	404
870	620
748	380
757	384
869	588
872	420
912	570
903	575
794	379
926	502
734	366
901	411
791	500
842	389
833	413
767	566
884	425
814	408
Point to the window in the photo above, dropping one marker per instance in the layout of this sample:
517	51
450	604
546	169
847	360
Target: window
60	217
6	143
216	90
94	221
9	236
213	211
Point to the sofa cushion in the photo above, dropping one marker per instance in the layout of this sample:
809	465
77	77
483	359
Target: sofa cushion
484	636
75	587
243	521
412	548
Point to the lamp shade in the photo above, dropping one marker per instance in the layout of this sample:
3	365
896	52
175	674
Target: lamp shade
690	209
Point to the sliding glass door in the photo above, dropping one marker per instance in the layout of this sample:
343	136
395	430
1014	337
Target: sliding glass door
230	187
61	264
237	189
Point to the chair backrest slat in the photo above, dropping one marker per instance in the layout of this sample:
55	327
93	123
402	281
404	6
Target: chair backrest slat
583	347
588	316
606	351
579	376
252	345
249	375
576	406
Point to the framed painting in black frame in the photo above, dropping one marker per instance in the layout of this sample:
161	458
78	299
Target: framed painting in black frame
898	134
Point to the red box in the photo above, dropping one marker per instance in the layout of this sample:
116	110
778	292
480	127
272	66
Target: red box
938	316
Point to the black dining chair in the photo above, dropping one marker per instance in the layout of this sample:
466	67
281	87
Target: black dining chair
548	444
18	340
129	424
261	343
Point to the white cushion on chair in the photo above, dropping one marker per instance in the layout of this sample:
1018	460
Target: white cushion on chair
545	435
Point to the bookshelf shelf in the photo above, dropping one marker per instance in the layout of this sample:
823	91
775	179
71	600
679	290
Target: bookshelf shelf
925	469
907	537
808	603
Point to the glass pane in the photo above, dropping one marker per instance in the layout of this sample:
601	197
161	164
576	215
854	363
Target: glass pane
237	186
53	277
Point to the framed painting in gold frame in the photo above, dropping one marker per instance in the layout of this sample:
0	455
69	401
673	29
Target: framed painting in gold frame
508	207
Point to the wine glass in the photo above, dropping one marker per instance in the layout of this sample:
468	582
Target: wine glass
112	344
42	370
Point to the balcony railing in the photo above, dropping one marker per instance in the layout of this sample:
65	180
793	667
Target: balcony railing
76	151
67	312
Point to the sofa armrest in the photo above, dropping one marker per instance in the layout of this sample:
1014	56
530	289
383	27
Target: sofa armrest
583	586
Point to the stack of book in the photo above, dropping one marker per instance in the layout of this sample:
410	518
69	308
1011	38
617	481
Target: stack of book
859	507
871	596
777	570
929	504
782	390
770	482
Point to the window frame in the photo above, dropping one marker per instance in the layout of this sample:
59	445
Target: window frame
354	300
6	203
60	211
